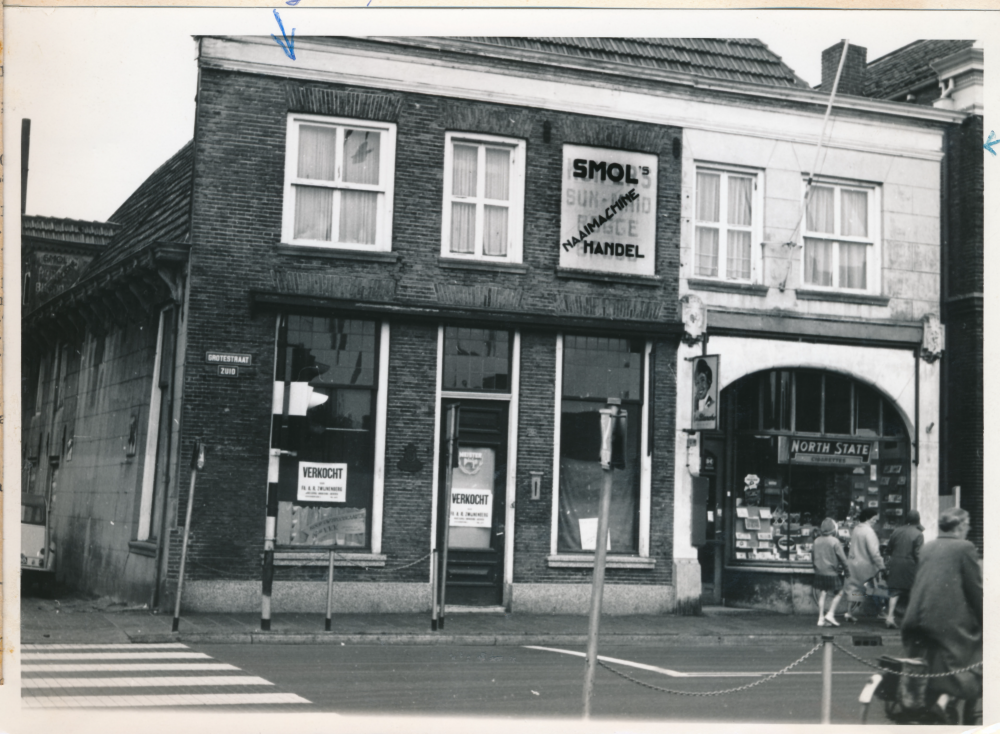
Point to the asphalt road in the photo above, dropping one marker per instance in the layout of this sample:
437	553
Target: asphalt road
532	682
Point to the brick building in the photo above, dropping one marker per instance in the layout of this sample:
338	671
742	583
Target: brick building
363	237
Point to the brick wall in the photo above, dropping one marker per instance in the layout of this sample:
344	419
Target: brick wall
236	226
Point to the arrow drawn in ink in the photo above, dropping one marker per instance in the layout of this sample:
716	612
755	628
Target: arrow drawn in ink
288	44
990	142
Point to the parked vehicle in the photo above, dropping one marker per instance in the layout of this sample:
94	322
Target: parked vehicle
38	553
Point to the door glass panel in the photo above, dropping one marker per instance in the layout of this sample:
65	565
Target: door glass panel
472	487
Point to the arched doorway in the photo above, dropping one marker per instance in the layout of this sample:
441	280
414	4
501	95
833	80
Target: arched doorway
796	446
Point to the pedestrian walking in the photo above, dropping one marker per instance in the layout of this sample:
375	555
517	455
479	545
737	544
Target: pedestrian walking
903	551
864	561
828	560
944	621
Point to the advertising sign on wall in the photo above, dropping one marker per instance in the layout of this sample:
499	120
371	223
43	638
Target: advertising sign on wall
322	482
608	219
705	393
811	451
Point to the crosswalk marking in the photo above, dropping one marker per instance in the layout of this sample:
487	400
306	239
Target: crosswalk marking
151	682
111	655
164	700
124	667
117	676
107	646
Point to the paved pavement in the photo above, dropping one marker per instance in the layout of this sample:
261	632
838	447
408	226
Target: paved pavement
102	621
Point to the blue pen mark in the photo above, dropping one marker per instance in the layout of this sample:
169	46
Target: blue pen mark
292	2
990	142
288	44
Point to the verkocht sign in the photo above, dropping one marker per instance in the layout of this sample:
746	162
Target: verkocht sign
810	451
608	211
322	482
471	508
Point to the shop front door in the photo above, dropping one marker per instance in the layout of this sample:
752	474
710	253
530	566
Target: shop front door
478	492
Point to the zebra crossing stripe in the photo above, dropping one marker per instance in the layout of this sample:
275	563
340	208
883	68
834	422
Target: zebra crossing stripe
119	667
151	655
184	699
108	646
151	682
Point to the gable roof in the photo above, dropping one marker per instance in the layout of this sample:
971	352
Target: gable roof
72	231
908	68
158	211
733	59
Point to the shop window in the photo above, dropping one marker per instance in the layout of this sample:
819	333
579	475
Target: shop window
483	198
595	369
338	183
840	238
776	400
725	224
476	359
337	359
846	451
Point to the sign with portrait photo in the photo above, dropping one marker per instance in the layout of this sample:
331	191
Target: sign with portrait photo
705	393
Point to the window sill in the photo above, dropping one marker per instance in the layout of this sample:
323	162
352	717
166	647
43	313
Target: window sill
840	297
454	263
142	548
587	561
597	275
321	557
336	253
723	286
789	568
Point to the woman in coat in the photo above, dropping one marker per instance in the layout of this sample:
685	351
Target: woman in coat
944	621
904	550
863	560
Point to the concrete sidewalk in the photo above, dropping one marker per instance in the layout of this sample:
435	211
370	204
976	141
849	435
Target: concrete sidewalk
101	621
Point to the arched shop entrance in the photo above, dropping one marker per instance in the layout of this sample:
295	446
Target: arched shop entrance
795	446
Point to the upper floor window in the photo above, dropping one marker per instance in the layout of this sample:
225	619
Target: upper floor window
338	182
483	198
725	224
840	237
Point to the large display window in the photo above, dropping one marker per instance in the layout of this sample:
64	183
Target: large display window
807	445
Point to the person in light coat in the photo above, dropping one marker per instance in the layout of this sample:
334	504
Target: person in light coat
944	620
864	561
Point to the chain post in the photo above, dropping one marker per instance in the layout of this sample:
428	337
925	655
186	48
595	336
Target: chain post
825	704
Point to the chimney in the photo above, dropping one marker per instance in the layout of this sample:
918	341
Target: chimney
852	78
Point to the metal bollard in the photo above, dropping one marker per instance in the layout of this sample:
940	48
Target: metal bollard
827	679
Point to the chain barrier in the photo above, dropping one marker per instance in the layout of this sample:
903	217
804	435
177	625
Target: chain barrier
765	679
256	576
880	669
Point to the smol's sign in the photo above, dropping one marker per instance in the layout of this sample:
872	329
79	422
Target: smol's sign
322	482
803	451
608	219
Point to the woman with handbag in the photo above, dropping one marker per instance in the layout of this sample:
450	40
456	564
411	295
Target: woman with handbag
944	621
864	561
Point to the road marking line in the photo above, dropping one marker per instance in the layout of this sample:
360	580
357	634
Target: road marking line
198	699
118	667
151	682
617	661
116	645
152	654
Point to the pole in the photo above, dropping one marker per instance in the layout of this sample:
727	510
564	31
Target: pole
197	460
25	148
827	679
434	590
450	453
329	594
608	428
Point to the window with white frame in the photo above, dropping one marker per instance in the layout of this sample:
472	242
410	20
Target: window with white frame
726	214
338	183
840	237
483	198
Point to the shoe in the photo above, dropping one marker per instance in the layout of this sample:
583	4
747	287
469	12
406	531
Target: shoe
830	619
890	624
848	617
821	622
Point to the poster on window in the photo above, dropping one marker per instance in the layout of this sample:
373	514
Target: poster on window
472	488
608	219
322	482
588	534
705	393
323	526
